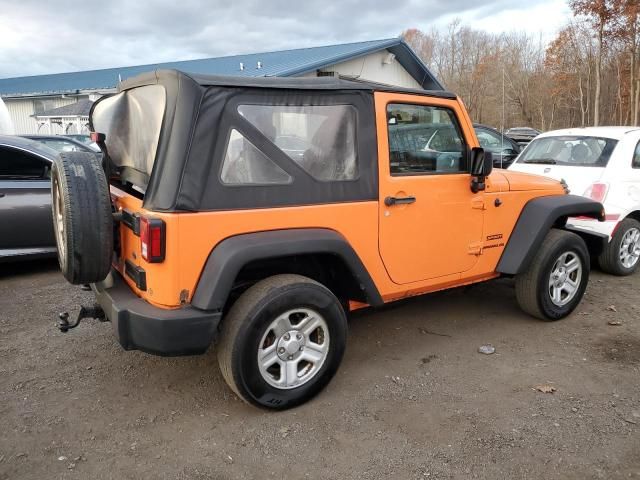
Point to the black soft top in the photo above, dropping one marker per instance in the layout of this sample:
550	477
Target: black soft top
166	77
172	144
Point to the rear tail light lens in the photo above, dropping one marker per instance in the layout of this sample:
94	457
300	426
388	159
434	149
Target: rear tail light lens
152	239
97	137
597	191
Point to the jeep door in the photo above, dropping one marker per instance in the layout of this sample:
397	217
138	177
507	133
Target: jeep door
25	203
430	221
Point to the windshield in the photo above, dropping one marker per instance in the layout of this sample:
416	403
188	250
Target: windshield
569	151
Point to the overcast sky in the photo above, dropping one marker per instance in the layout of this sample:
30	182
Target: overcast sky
42	36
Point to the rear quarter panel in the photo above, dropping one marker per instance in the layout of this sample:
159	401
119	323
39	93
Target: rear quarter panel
190	238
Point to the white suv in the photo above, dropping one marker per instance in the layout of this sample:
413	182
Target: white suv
602	163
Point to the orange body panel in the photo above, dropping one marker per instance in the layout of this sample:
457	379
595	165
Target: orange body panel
449	237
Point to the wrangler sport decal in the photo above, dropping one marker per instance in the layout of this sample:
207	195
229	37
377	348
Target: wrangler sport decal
493	237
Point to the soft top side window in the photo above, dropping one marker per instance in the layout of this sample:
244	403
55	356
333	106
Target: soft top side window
244	164
425	139
321	139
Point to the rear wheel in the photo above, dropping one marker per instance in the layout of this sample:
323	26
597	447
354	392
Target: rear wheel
622	255
82	219
282	341
555	281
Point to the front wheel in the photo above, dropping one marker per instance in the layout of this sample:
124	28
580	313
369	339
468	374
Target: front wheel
621	256
555	281
282	341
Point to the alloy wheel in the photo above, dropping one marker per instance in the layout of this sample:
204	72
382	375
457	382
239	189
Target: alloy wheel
58	219
630	248
565	278
293	348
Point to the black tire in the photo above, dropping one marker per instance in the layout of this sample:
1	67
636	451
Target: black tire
249	320
532	286
609	259
82	217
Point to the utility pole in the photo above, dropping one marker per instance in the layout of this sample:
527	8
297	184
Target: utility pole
502	122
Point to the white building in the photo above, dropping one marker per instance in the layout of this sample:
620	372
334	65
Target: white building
59	103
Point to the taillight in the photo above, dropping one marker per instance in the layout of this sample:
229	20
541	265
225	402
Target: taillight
97	137
152	239
597	191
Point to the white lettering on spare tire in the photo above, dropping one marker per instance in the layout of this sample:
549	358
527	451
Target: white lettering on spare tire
78	170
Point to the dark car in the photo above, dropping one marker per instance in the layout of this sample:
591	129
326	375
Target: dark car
522	135
62	143
26	228
504	149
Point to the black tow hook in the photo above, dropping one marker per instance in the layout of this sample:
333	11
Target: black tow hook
85	312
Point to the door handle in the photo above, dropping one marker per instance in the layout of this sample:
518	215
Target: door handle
1	195
390	201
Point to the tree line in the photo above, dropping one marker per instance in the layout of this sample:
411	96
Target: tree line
588	75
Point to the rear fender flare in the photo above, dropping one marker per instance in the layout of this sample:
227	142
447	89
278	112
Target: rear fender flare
537	217
229	256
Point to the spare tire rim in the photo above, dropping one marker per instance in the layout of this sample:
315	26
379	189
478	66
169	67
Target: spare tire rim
630	248
565	278
58	219
293	348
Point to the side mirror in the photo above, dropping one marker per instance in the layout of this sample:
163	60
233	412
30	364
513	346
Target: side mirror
481	163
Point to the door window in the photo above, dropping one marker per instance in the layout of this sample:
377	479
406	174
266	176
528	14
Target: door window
425	140
18	165
63	146
636	157
489	141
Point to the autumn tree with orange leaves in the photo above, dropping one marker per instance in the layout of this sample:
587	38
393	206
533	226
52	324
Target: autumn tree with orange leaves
587	75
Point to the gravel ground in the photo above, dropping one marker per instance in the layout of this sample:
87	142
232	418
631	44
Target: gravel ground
413	398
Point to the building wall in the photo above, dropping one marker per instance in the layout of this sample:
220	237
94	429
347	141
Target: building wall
22	109
369	67
372	67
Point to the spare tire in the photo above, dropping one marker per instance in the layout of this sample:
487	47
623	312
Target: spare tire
82	217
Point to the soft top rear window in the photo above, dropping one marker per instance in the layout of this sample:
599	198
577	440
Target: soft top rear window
579	151
131	121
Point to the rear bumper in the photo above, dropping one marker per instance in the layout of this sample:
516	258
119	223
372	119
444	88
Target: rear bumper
141	326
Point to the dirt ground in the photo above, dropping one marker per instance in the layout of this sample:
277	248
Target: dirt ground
413	399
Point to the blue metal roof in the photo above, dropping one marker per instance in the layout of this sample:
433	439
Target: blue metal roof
283	63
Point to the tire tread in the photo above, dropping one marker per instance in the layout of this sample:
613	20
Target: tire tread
527	293
609	259
87	216
233	322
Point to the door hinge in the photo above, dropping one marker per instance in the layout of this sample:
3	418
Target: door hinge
475	248
478	204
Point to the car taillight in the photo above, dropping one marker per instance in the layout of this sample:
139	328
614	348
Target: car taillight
597	191
97	137
152	239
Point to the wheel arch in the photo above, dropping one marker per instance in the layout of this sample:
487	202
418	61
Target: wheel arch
538	216
635	214
321	254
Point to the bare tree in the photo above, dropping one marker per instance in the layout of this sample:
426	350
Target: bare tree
587	75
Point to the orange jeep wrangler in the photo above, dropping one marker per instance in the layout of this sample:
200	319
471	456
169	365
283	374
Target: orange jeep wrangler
257	212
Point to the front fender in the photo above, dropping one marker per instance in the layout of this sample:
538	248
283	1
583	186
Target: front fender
537	217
